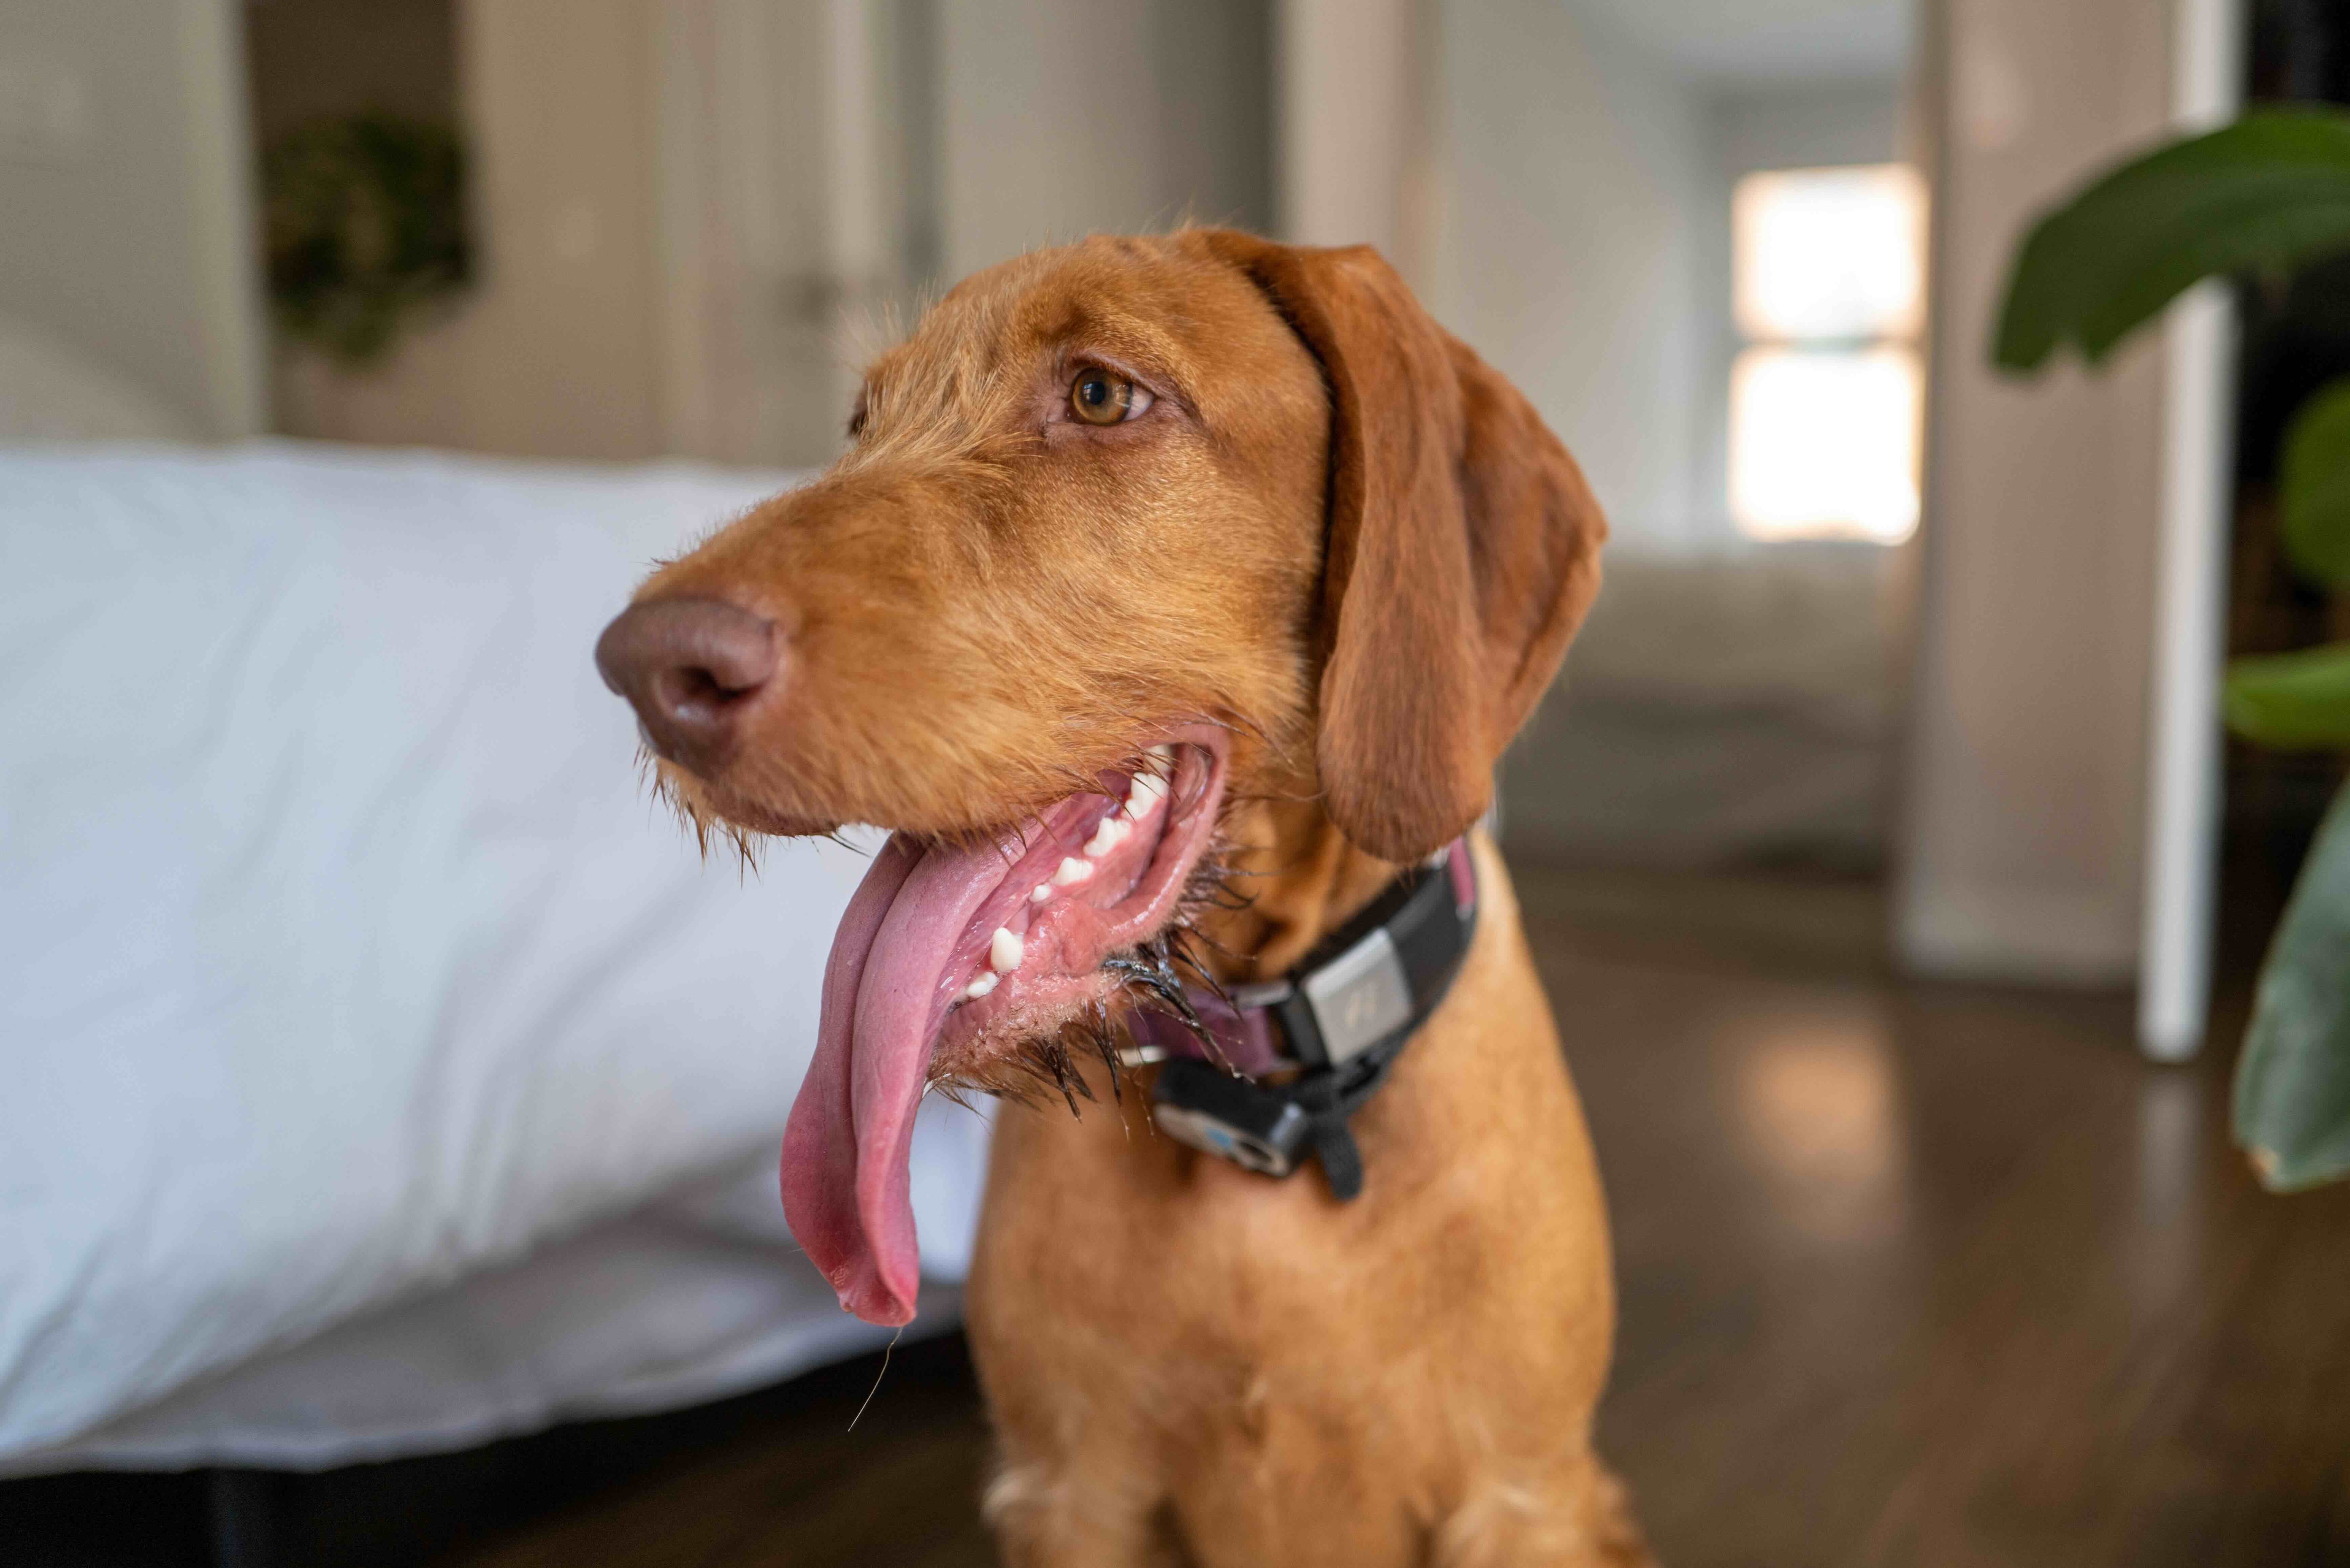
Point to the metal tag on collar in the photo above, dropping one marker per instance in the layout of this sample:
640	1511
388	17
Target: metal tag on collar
1345	1005
1359	998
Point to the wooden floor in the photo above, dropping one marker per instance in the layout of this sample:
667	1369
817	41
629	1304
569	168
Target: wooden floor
1927	1275
1911	1275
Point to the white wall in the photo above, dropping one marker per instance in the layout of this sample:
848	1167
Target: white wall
1781	40
697	217
125	205
674	207
1589	156
1569	256
1583	229
1805	124
1356	148
1065	118
553	352
2020	850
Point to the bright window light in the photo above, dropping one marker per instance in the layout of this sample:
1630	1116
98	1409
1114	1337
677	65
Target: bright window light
1828	253
1823	442
1826	399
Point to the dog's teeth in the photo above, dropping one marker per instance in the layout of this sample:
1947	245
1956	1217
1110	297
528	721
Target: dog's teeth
1164	755
1040	892
1142	797
980	987
1003	951
1106	837
1072	871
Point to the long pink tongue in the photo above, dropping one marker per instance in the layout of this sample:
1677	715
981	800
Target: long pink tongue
852	1128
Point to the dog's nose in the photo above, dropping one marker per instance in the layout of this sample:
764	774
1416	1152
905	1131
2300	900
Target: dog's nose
690	668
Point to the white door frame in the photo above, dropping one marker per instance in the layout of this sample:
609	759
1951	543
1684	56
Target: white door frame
2184	785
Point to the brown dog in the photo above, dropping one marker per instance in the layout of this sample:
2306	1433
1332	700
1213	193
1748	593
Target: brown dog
1173	596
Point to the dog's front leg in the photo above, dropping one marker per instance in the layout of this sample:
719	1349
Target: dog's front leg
1055	1513
1580	1517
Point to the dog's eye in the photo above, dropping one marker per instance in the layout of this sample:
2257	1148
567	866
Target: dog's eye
1099	398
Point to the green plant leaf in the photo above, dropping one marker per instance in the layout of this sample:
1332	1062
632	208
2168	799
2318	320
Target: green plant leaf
2290	700
2292	1082
2268	190
2314	486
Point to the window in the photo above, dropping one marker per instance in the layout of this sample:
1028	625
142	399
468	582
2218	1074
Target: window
1826	395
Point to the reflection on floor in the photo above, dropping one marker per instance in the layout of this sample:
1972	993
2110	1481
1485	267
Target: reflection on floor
1911	1275
1937	1275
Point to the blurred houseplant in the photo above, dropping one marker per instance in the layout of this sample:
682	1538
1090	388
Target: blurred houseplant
365	225
2268	192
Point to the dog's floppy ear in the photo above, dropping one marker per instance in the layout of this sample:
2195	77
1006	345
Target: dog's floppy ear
1461	552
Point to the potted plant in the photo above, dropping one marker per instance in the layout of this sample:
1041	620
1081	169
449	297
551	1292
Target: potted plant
364	222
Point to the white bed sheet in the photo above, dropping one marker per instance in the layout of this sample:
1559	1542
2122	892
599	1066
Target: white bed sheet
348	976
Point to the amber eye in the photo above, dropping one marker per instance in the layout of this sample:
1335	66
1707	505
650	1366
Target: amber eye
1099	398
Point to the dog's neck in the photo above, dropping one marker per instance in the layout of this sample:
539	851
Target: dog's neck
1297	878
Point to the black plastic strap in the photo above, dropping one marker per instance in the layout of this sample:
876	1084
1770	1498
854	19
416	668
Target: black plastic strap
1431	936
1342	1162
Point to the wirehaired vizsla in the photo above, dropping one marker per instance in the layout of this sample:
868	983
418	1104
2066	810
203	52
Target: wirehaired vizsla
1172	604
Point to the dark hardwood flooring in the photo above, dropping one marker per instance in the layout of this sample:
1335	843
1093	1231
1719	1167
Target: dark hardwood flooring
1919	1274
1911	1274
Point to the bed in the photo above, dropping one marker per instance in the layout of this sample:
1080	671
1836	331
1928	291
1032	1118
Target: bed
1722	712
380	1070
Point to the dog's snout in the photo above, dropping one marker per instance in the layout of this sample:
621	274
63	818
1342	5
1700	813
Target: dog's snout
690	668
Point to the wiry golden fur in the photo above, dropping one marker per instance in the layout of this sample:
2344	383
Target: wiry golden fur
1347	541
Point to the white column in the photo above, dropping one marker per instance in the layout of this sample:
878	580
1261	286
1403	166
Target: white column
219	150
1352	82
2183	782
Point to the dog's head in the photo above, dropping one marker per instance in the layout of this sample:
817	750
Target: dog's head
1127	531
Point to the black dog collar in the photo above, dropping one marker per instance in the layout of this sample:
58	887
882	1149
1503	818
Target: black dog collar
1271	1072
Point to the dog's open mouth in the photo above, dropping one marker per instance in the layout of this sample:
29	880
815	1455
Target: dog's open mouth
947	957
